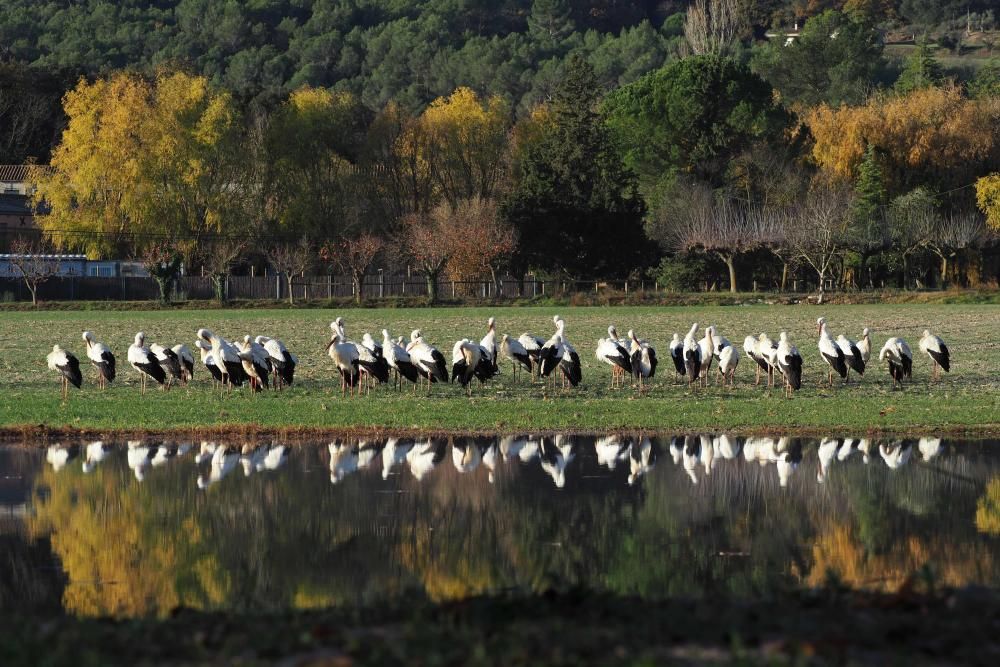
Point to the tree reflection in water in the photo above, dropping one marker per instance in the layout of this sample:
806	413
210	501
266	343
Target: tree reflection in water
148	527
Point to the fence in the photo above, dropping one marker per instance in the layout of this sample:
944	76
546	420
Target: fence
275	286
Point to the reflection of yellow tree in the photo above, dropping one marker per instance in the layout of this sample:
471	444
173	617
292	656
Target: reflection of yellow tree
118	557
452	544
838	550
988	509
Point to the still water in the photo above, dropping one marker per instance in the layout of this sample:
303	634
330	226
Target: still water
144	528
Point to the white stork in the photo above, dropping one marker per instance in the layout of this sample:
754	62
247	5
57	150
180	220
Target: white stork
642	357
729	359
186	360
465	358
102	359
900	359
752	353
532	345
611	351
852	356
398	360
208	360
767	349
865	345
372	359
256	363
935	348
68	367
142	360
428	359
677	355
569	362
832	354
693	358
168	360
789	362
514	351
227	358
489	346
345	358
283	362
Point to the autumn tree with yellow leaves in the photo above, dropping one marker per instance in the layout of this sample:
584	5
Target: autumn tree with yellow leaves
467	145
141	159
314	142
933	136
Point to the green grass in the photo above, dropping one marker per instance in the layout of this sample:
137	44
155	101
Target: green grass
966	399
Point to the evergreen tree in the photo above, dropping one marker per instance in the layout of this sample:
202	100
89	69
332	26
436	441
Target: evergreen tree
869	234
986	83
922	71
575	205
869	186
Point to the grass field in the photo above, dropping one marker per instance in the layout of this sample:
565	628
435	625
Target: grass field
966	399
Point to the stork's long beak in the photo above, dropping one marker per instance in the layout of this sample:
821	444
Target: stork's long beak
329	344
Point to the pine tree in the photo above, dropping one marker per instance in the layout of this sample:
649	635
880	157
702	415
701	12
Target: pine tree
576	206
869	234
869	186
922	71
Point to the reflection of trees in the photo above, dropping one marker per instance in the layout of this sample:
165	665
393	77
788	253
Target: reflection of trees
988	509
890	524
291	539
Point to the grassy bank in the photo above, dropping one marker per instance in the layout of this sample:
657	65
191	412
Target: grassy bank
817	629
965	399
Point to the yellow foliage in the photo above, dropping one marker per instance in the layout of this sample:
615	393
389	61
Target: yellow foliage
138	156
466	144
988	198
931	129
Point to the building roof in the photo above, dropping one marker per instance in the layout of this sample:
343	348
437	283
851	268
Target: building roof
17	173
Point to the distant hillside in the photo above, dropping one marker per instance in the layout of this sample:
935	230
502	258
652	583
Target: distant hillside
408	50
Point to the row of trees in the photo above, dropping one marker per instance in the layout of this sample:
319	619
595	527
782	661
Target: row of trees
699	158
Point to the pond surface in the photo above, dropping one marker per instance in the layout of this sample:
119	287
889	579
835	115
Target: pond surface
143	528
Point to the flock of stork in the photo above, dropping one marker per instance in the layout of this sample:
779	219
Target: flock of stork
264	362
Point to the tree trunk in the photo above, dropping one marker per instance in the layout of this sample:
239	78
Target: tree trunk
164	285
822	274
291	292
358	281
34	293
784	276
731	265
432	286
219	285
944	271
